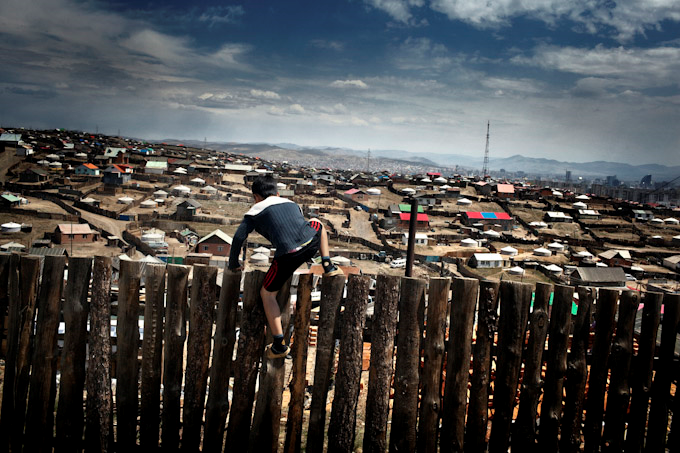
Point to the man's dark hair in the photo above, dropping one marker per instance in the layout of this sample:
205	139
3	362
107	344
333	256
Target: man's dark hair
264	186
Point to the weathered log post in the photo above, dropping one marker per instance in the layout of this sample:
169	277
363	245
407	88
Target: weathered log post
618	395
556	368
341	431
524	434
13	330
173	348
331	296
28	283
98	416
248	355
642	372
458	356
433	361
512	324
70	414
39	418
201	312
597	380
405	405
383	330
152	354
577	374
657	427
217	407
127	363
266	427
4	296
303	307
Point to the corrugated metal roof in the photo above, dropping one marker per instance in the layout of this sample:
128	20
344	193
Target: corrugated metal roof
47	251
74	228
600	274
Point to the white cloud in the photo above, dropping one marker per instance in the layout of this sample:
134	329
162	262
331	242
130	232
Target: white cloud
205	96
349	84
264	94
326	44
296	109
516	85
399	10
221	14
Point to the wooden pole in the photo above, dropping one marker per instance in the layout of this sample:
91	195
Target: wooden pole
70	414
458	356
577	374
433	360
217	407
265	430
597	380
303	307
406	373
524	434
512	324
618	395
341	430
642	372
173	348
127	363
477	418
411	246
39	418
657	427
152	355
383	330
331	296
250	347
98	420
201	312
4	298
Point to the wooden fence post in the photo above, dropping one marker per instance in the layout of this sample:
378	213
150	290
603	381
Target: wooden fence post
406	373
619	390
250	346
152	354
597	380
331	296
658	411
217	407
458	356
303	307
524	435
383	330
556	368
642	374
70	414
13	330
4	296
577	374
431	380
201	312
98	420
127	353
266	427
512	324
341	431
175	336
43	381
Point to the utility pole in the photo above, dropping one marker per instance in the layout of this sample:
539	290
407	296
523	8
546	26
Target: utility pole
368	161
485	169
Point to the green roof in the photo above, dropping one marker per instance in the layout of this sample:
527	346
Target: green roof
156	164
407	208
11	198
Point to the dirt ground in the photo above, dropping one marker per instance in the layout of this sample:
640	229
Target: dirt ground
40	227
40	205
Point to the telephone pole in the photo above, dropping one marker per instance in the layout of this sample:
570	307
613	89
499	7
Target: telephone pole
485	169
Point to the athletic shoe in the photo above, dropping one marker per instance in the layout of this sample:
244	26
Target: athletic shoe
336	271
271	354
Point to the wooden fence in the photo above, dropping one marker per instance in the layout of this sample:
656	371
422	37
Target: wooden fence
471	370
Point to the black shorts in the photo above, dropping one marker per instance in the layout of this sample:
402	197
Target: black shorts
282	267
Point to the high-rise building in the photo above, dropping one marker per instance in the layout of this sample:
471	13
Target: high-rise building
567	175
646	181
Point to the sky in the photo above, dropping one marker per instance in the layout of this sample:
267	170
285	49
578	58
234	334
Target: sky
577	80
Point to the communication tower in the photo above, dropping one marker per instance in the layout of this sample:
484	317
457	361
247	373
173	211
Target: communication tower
485	169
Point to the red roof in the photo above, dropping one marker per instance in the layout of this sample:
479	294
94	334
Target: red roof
488	215
505	188
407	216
433	173
352	191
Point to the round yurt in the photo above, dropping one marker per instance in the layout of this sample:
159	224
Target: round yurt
88	200
557	193
180	171
263	250
671	221
656	221
198	181
259	259
600	264
468	242
440	180
44	163
181	190
510	251
152	238
554	269
491	234
579	205
555	247
426	180
373	191
538	224
464	202
52	157
583	197
160	194
80	156
126	200
542	252
280	185
148	204
341	261
584	254
10	227
55	165
209	190
516	270
445	186
409	191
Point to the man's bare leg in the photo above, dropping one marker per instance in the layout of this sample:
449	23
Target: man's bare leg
272	311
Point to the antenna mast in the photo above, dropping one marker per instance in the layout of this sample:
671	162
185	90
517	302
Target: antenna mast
485	169
368	161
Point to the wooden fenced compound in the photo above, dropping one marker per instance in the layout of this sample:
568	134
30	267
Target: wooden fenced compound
455	365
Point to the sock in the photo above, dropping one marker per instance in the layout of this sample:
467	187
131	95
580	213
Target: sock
278	346
328	266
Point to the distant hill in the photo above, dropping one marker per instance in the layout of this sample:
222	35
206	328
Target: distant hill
398	160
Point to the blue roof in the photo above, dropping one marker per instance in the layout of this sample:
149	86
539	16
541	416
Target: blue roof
489	215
